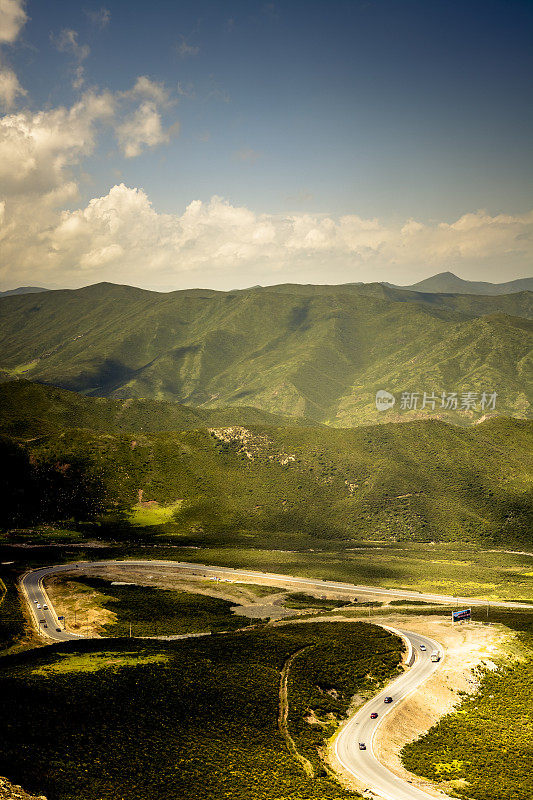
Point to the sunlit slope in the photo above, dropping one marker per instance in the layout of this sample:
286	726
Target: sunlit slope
320	352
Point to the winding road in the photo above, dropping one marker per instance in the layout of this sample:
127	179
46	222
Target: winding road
363	764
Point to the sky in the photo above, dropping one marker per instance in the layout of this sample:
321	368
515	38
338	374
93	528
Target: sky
227	144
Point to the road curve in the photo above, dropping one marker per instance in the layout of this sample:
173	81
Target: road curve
33	589
360	728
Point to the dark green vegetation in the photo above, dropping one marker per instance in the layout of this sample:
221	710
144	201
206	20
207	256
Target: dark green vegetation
421	481
485	745
315	351
161	612
303	600
196	718
29	409
11	615
323	679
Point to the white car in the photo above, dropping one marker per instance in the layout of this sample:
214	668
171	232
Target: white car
38	605
422	646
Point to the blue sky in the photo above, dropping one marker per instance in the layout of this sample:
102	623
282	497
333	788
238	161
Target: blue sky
298	113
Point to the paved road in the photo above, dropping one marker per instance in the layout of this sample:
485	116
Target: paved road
361	728
363	764
32	585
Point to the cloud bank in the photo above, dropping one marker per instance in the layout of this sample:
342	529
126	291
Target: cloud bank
49	236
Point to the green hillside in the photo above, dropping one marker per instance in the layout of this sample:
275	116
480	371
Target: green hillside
29	408
316	351
418	481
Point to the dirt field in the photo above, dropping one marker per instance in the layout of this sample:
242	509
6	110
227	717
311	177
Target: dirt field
81	607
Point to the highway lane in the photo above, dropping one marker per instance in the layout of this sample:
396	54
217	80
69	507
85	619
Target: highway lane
361	728
45	619
32	586
363	764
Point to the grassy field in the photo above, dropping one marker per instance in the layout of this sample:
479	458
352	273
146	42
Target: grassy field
483	748
442	568
189	719
149	611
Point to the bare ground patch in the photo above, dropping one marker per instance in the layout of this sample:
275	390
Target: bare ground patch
81	606
468	648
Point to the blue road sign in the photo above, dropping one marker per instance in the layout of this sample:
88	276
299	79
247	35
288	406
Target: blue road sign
461	616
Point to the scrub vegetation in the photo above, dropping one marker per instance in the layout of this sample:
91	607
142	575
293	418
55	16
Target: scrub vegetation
158	612
293	484
483	749
195	718
314	351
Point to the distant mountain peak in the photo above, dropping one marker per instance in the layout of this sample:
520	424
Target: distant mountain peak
449	283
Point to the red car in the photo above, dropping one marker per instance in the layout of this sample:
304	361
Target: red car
373	715
388	700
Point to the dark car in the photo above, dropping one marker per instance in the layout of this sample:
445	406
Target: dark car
388	700
362	746
58	630
45	625
373	715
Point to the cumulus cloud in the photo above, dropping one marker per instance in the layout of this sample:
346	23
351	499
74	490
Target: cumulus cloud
142	128
37	149
121	237
12	18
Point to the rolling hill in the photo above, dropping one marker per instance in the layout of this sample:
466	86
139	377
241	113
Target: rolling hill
313	351
420	481
28	409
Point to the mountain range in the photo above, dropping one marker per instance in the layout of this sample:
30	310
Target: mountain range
320	352
447	282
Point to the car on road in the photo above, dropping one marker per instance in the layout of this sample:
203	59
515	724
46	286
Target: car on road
362	746
388	700
45	606
373	715
38	605
45	625
58	630
422	646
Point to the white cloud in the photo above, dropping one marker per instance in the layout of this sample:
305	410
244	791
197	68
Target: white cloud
121	237
148	89
142	128
37	149
185	49
10	88
67	42
101	18
12	18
